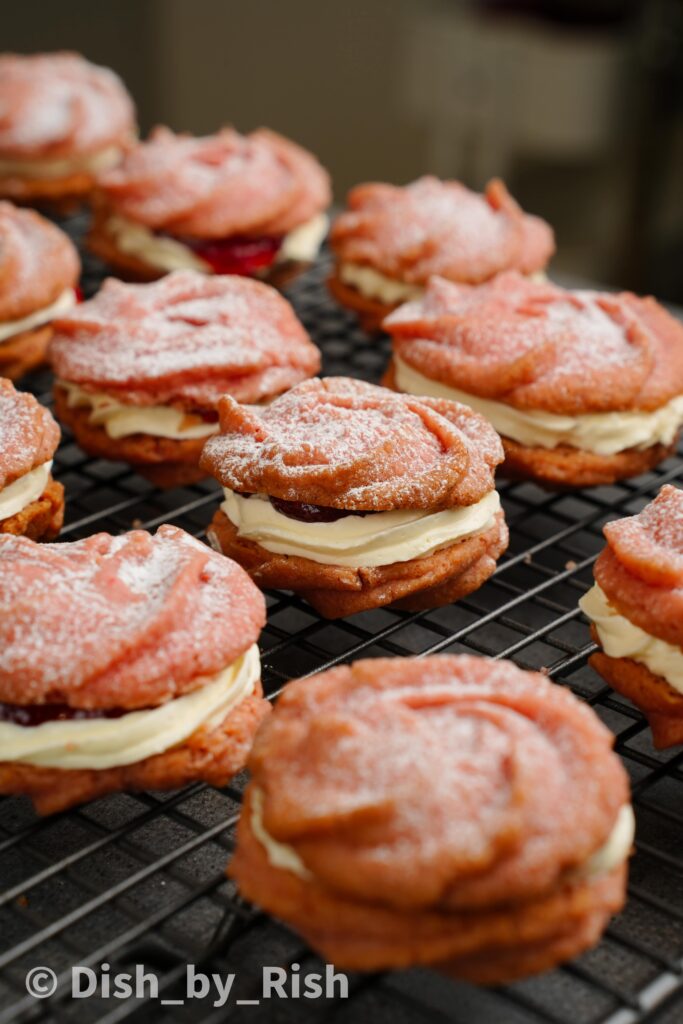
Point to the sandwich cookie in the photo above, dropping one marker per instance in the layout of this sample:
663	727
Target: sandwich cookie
126	663
355	497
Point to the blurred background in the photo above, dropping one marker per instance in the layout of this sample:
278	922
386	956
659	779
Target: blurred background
577	104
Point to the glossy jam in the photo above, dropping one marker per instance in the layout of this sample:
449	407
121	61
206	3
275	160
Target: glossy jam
235	255
306	513
37	714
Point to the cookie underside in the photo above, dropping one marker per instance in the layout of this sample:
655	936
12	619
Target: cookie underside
335	591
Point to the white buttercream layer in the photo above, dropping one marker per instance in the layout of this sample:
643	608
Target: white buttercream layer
615	851
378	538
23	492
168	254
375	285
123	420
62	167
65	302
280	855
100	743
390	290
302	245
620	638
603	433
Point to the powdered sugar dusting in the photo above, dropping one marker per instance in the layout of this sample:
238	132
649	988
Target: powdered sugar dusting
219	185
56	104
119	621
37	262
440	227
537	346
349	444
650	544
187	338
403	780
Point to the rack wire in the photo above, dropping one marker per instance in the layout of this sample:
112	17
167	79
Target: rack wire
139	879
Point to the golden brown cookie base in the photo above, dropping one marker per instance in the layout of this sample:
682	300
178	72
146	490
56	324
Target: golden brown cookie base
491	946
653	695
503	966
167	463
564	467
336	591
370	312
24	352
132	268
212	756
42	519
58	194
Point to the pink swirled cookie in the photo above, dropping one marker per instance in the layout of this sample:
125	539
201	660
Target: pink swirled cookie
39	269
63	120
454	812
356	497
584	387
126	662
391	240
636	611
140	368
31	502
225	204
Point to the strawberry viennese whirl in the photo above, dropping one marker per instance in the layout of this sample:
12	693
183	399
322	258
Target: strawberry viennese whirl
391	240
64	121
356	497
141	368
31	502
220	204
584	387
452	812
126	663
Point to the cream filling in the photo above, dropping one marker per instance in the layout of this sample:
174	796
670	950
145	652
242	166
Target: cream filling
303	243
614	852
169	254
62	167
620	638
604	433
156	250
22	492
123	420
379	538
374	285
280	855
390	290
65	302
100	743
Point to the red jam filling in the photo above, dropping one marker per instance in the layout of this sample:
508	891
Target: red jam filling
235	255
307	513
38	714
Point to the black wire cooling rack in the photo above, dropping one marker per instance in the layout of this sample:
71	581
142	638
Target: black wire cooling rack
139	879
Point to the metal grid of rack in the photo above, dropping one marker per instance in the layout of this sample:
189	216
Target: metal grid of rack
139	879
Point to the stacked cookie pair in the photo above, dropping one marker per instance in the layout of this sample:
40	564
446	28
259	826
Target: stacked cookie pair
126	663
140	369
39	271
635	612
31	501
